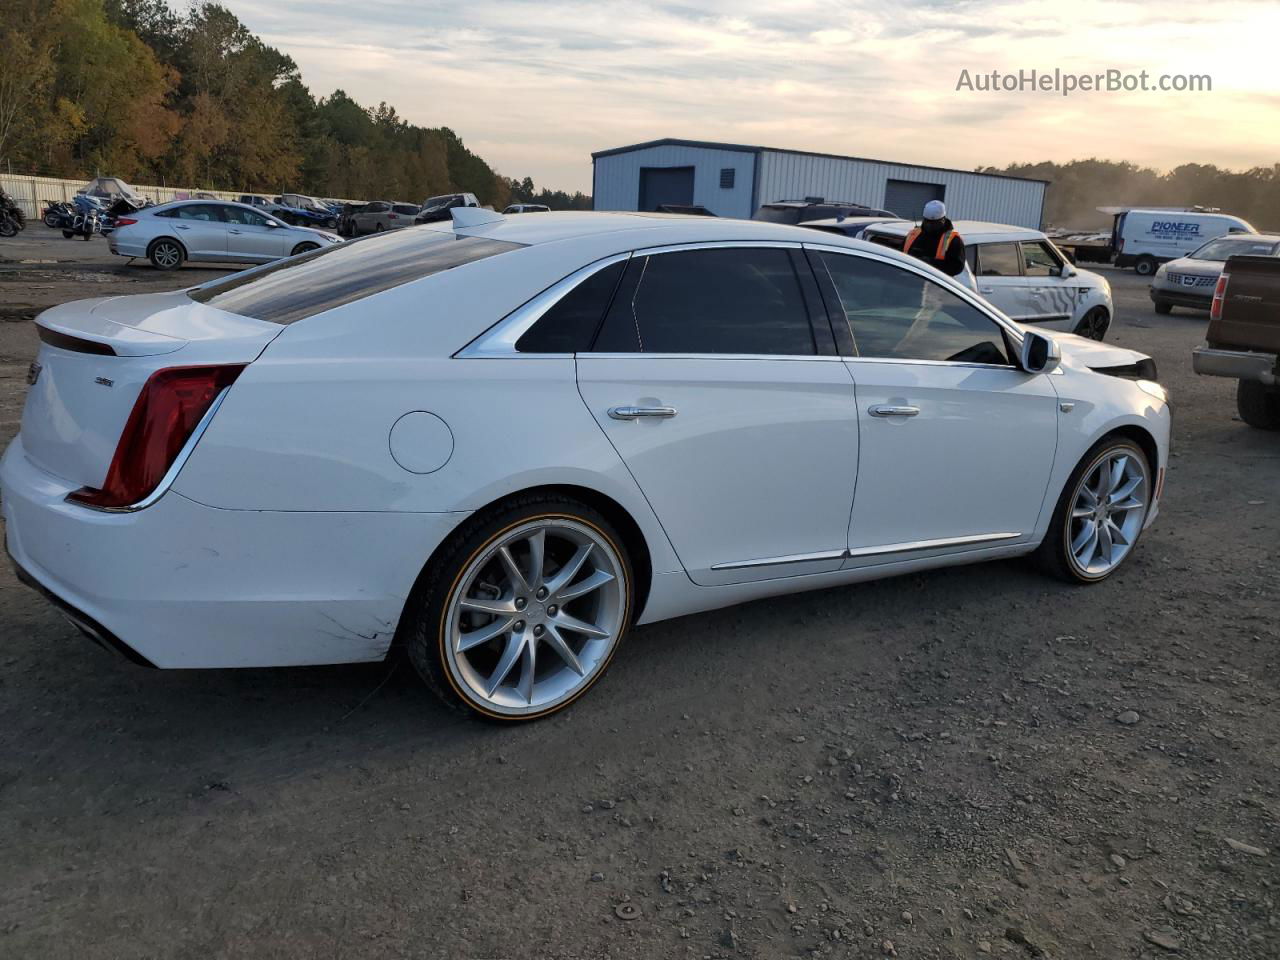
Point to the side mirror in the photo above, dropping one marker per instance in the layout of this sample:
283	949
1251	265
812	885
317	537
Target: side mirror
1039	353
273	223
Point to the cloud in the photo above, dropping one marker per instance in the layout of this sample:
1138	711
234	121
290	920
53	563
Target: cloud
534	86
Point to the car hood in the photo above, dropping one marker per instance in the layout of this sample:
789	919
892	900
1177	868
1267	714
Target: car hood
1202	268
1094	354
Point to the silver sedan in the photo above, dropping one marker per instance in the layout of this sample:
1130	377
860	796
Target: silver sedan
215	231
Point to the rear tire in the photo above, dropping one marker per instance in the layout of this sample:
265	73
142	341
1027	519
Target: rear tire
527	658
51	220
68	234
1145	266
1113	510
166	254
1259	404
1163	307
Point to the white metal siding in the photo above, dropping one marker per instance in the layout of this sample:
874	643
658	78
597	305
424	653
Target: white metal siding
617	177
969	196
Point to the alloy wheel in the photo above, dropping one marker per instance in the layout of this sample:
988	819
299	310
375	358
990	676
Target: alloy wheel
166	255
1107	512
535	616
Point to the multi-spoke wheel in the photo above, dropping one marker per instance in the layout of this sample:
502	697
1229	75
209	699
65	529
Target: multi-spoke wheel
533	608
1101	513
1094	324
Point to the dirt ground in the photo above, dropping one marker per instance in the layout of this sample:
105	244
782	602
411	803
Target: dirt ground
940	765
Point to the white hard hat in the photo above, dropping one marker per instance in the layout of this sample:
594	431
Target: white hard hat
935	210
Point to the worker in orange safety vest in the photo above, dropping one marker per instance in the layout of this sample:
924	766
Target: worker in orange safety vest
936	241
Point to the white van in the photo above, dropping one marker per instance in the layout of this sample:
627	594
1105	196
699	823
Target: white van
1144	239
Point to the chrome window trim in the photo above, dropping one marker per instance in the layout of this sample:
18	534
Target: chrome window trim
500	339
804	357
963	292
717	245
174	469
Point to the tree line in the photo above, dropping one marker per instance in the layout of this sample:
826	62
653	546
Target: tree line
131	88
1078	188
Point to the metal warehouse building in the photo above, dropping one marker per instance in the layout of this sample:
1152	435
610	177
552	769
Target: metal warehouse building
733	180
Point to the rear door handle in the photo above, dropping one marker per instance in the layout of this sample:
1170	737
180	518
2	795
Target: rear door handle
635	413
181	227
986	289
236	232
888	410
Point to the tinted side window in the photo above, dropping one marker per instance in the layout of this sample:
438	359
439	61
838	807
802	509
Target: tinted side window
999	260
743	300
570	325
897	314
197	211
300	287
1039	260
241	215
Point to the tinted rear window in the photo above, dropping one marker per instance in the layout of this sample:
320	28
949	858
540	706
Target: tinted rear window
778	214
300	287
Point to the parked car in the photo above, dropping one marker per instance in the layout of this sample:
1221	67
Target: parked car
202	230
381	215
1243	339
526	208
1144	239
1024	275
435	209
816	208
852	227
503	441
314	212
1189	281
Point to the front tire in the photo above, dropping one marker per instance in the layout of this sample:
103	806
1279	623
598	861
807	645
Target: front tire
1094	324
1163	307
523	609
304	248
1259	404
1145	266
166	254
1100	514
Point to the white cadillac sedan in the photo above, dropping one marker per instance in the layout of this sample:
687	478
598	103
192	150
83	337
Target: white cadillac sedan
499	443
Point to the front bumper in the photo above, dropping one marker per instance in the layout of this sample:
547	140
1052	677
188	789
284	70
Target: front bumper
1236	364
181	584
1182	297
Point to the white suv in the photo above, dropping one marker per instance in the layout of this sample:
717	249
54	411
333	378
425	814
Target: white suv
1021	272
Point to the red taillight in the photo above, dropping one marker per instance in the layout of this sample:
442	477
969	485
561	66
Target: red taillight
171	404
125	222
393	216
1219	294
1120	249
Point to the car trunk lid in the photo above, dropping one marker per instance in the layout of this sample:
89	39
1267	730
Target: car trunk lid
94	359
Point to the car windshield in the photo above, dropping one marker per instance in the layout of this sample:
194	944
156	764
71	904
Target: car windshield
1218	250
433	202
299	287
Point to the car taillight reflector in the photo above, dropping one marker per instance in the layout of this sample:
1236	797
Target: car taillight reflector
1219	294
125	222
172	403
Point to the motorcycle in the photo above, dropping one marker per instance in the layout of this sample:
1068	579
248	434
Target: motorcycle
85	219
12	219
54	213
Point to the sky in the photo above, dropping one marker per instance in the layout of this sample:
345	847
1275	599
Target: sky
535	87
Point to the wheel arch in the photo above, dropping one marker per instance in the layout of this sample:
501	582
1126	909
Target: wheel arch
1145	440
632	536
186	255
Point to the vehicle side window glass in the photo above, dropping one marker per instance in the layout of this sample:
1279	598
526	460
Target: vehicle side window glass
570	325
743	300
1039	260
249	218
999	260
897	314
971	258
198	211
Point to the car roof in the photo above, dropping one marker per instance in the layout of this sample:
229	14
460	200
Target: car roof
847	221
614	232
971	231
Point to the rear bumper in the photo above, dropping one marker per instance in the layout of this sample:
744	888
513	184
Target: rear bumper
1181	298
1236	364
180	584
120	244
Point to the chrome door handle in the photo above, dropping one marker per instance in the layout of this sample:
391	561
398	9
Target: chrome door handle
887	410
181	227
236	232
986	289
635	413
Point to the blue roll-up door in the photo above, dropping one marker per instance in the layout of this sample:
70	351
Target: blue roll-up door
665	185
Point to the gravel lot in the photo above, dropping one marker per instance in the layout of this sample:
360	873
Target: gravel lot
972	762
